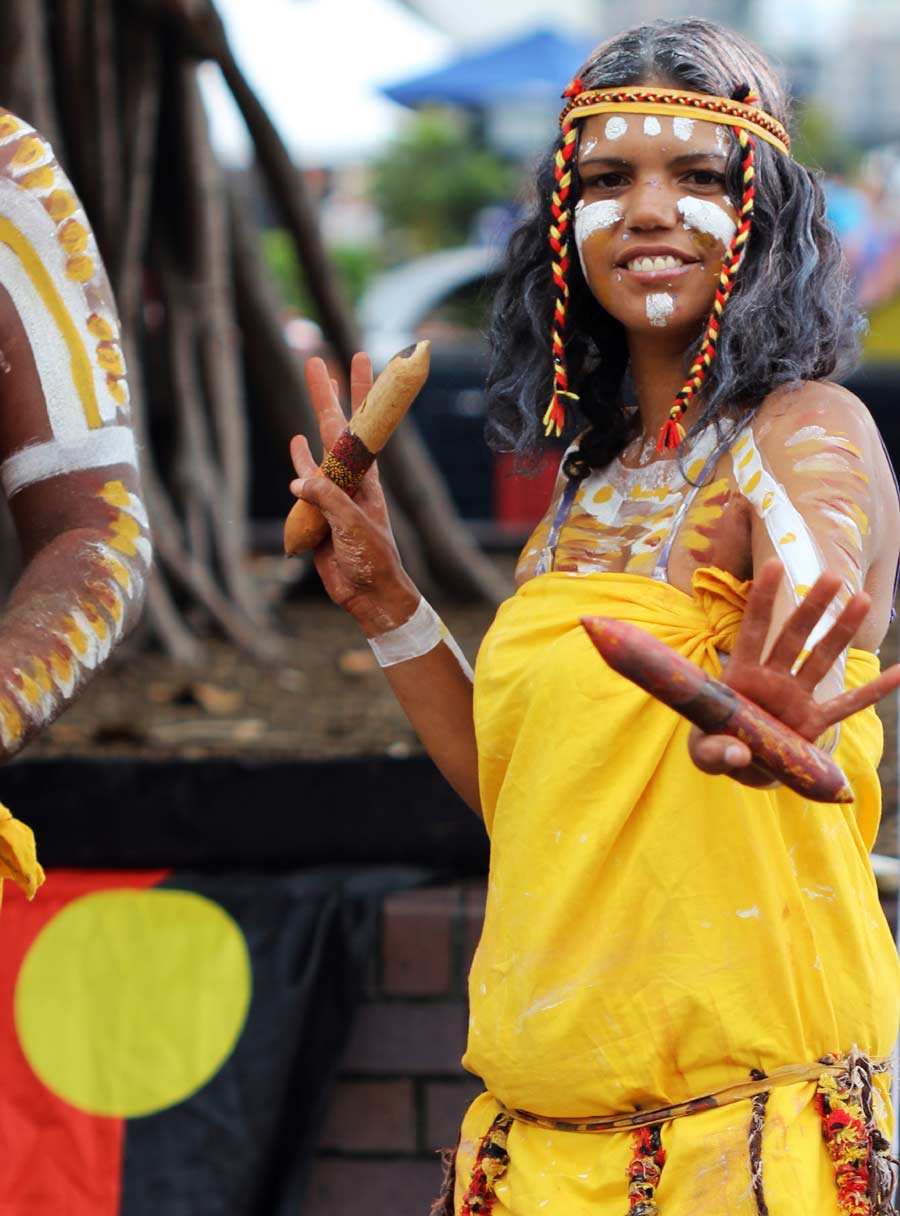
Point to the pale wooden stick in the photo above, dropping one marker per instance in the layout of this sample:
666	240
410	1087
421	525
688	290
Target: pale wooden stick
368	431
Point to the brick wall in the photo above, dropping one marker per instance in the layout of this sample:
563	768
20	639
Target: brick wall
401	1092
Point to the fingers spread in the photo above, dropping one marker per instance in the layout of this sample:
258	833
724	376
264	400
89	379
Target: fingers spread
792	639
825	653
855	699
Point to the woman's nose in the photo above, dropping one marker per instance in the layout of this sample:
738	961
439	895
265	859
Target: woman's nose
650	205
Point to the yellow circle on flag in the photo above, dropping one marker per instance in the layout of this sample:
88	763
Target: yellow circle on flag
130	1000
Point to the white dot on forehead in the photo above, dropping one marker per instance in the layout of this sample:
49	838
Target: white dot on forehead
683	128
651	125
616	127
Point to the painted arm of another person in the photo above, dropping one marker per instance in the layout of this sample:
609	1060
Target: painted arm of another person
824	504
68	463
361	570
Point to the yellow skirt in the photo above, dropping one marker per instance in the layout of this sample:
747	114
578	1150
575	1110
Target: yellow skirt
653	934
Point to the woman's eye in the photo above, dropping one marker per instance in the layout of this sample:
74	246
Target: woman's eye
605	181
705	177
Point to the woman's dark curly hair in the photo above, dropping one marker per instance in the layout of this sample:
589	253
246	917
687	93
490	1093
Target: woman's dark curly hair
791	315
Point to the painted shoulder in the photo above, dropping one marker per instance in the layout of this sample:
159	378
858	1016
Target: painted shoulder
46	240
813	403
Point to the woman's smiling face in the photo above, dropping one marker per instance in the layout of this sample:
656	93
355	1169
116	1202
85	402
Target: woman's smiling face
653	220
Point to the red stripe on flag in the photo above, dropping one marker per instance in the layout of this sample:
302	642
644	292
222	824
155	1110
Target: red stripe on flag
55	1158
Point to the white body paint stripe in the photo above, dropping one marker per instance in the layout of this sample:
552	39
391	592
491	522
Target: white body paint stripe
592	218
801	557
703	215
101	449
27	213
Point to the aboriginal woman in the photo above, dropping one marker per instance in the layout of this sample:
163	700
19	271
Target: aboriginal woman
685	992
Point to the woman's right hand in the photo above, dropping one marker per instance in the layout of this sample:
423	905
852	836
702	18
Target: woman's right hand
358	561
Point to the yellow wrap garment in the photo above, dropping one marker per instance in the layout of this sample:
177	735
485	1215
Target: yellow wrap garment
652	933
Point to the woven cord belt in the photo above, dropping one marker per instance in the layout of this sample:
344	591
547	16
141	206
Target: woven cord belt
793	1074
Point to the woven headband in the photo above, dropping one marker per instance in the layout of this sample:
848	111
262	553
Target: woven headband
679	103
744	117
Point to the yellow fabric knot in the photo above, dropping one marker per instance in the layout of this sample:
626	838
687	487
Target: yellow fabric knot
18	857
722	599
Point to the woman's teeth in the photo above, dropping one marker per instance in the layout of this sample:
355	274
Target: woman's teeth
644	264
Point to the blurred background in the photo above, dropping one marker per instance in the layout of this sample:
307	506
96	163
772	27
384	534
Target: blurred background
269	181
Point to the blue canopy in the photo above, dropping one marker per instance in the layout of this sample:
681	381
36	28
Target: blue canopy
538	65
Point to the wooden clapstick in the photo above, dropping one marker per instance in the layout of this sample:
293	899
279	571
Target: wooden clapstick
713	706
368	431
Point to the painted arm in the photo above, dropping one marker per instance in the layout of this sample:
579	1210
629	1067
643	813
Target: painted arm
67	456
361	571
825	505
823	500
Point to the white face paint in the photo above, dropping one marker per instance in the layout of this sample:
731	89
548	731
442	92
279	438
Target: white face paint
588	146
703	215
683	128
589	219
660	307
615	127
723	139
651	125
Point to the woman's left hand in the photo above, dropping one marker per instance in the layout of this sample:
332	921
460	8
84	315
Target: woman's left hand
770	682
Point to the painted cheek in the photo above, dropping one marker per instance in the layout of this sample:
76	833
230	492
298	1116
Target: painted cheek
593	229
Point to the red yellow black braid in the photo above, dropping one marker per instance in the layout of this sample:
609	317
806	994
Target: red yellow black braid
672	432
560	223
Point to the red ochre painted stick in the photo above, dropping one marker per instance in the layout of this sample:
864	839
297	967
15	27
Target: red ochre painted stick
718	709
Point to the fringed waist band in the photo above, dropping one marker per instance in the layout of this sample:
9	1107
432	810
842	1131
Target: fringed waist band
738	1091
843	1100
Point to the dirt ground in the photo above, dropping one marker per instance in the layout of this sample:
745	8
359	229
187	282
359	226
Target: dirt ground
328	700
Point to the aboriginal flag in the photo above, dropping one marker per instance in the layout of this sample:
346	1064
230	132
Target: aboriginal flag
167	1039
170	1023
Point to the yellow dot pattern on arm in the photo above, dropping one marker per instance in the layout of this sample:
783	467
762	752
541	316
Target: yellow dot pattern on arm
38	179
116	494
94	618
10	720
73	236
100	328
60	204
117	390
788	538
752	482
42	675
61	666
82	375
119	572
30	689
29	150
75	637
110	359
80	267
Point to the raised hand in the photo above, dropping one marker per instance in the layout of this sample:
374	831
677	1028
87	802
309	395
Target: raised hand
771	683
358	562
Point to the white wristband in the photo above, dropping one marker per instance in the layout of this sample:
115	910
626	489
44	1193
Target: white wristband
419	635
